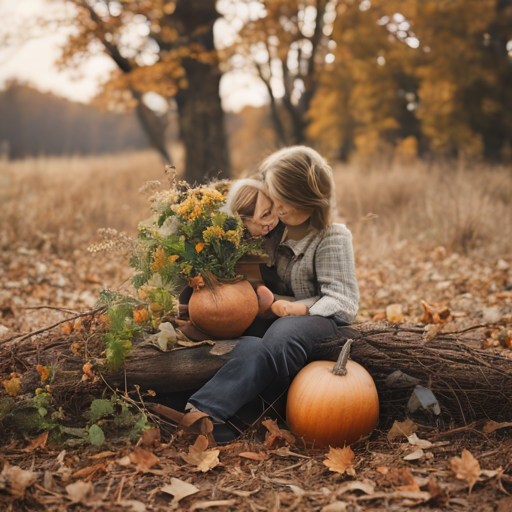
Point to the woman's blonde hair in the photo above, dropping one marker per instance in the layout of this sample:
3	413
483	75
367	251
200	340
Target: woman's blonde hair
299	176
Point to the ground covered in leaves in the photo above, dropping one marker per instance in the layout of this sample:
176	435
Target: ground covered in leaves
145	463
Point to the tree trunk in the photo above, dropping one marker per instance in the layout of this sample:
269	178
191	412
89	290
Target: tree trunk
469	383
200	112
154	127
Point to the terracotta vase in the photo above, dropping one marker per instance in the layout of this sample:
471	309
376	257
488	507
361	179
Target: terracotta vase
224	312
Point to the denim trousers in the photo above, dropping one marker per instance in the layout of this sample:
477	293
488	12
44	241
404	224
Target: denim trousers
260	365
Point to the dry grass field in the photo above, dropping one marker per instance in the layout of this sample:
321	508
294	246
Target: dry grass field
59	203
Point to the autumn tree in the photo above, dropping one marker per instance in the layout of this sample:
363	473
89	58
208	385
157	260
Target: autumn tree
166	48
284	42
434	71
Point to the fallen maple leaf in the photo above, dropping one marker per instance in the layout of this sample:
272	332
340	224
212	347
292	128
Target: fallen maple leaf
435	314
405	428
45	373
144	460
179	489
197	456
275	433
12	386
466	467
339	459
15	480
38	442
150	436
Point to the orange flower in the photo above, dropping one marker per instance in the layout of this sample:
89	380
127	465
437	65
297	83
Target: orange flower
173	258
140	315
199	247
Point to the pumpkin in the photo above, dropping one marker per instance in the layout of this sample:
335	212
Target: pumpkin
332	404
223	311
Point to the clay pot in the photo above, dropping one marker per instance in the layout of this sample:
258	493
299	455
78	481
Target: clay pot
224	312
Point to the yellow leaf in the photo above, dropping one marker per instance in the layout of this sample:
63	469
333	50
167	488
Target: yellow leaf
197	456
12	386
45	373
466	468
339	459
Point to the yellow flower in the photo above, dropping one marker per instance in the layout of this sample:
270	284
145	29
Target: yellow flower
233	237
213	233
160	259
173	258
199	247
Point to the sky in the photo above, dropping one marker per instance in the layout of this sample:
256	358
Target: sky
33	61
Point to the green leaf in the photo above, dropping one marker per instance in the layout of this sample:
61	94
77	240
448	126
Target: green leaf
42	411
96	435
219	219
99	409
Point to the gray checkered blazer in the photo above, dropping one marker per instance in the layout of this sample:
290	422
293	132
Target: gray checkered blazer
321	269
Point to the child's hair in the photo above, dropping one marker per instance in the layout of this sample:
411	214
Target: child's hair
243	195
299	176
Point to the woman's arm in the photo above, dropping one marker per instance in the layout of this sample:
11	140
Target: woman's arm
336	275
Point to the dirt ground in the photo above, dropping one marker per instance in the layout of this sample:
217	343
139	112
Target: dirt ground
260	472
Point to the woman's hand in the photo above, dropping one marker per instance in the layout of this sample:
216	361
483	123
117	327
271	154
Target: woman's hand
284	308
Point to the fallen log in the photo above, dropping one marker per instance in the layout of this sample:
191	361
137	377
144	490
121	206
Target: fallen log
470	383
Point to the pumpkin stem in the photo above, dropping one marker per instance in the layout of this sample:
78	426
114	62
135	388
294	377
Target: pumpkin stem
340	368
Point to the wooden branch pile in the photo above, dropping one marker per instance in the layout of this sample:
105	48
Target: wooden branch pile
469	383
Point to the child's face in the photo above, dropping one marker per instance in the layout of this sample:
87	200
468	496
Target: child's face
264	219
290	215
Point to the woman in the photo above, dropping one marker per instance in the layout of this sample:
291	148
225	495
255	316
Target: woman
314	260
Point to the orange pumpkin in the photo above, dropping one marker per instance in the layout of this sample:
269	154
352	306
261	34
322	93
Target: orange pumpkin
225	311
332	404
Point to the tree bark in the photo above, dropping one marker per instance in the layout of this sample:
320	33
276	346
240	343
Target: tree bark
201	117
469	383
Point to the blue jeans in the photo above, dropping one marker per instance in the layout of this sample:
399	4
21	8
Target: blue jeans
259	364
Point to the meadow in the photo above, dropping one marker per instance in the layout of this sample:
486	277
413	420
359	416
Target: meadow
60	203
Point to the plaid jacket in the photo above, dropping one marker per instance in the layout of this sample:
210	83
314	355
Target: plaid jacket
321	265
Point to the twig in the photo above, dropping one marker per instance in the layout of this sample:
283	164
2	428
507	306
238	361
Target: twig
50	327
465	330
70	311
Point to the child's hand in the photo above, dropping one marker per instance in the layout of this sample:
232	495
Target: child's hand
285	308
265	299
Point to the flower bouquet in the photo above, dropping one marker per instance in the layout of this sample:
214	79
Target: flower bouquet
190	238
